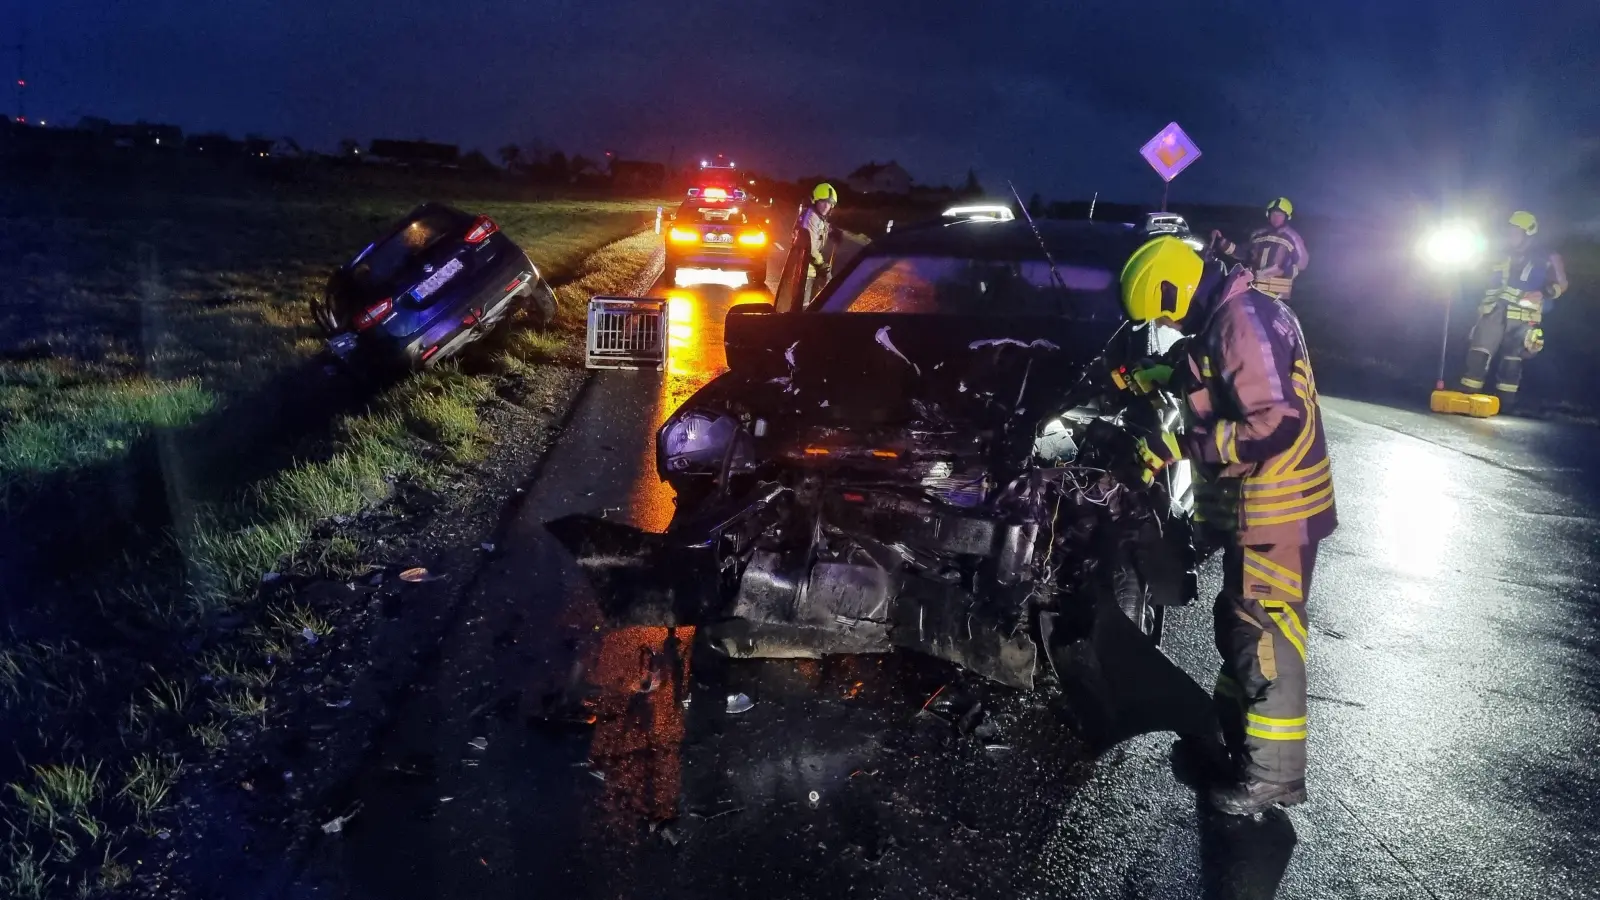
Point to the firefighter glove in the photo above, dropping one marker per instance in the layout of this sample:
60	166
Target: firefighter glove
1156	453
1142	378
1533	341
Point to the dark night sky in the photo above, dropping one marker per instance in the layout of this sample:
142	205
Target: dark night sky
1354	105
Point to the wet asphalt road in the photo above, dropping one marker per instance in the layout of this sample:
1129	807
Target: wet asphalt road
1455	671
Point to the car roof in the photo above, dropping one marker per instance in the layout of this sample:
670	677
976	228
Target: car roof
1095	243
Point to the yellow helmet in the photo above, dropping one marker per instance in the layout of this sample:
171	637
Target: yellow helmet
1160	279
825	191
1525	220
1282	205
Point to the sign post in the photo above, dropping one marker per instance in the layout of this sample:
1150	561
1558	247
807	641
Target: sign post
1169	152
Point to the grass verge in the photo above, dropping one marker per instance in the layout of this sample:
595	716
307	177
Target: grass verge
122	715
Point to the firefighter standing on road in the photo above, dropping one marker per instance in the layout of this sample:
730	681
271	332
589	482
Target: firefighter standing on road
813	225
1512	310
1255	433
1276	254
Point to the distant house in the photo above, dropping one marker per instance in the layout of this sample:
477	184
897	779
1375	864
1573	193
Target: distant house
873	178
138	136
214	145
258	147
635	175
415	153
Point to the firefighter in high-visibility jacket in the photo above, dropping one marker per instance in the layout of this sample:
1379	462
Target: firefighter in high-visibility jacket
1276	255
1263	487
1511	314
813	225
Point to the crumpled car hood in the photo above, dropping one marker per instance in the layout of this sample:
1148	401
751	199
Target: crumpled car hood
893	368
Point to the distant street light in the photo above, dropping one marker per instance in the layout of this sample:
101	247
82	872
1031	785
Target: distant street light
1450	249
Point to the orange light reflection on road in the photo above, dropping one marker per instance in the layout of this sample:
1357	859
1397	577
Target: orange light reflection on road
642	673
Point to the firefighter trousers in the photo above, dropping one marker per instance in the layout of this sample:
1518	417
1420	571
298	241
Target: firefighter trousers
1498	333
1261	634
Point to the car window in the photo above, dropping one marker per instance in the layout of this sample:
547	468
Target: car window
694	211
389	258
961	286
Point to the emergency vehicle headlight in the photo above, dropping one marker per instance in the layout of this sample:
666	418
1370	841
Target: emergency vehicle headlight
1451	247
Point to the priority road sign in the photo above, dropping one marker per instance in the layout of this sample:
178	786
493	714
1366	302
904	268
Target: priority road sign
1170	152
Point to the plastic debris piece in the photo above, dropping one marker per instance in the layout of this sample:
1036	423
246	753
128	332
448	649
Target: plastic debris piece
337	823
598	774
269	577
309	635
995	747
342	704
445	799
479	744
738	703
486	547
419	575
686	700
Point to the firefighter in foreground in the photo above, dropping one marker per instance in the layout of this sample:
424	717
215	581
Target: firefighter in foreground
1512	310
1275	254
814	224
1264	486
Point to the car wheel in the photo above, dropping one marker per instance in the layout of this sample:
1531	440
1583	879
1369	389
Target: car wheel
756	275
542	305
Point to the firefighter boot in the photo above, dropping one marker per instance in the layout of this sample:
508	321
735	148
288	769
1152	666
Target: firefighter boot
1246	798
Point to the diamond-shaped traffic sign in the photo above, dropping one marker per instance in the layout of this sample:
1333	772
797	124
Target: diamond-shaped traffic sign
1170	152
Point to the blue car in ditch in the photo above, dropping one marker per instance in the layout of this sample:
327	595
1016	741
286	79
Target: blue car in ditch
438	281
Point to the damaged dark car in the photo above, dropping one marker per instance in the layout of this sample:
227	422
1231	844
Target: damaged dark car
930	457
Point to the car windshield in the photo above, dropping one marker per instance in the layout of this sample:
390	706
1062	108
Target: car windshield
951	285
389	258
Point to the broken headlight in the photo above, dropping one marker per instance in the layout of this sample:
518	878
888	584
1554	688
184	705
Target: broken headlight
697	442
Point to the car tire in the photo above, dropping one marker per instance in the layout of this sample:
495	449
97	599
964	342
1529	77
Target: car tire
756	276
541	305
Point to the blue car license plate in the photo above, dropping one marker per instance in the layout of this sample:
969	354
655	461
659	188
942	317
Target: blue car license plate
342	344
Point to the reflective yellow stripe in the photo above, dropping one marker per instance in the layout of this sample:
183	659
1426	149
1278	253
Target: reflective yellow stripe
1291	517
1294	617
1272	580
1275	735
1288	632
1261	559
1274	570
1311	433
1252	507
1314	478
1268	720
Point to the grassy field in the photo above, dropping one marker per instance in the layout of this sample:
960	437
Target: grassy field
171	439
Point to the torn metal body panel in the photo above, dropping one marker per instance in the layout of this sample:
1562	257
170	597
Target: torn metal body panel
947	483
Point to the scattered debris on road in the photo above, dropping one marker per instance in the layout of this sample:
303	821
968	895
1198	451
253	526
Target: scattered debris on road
337	823
420	575
479	744
738	703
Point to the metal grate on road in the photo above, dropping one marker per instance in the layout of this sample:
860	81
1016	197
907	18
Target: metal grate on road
627	333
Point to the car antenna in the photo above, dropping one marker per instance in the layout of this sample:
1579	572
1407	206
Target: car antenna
1054	275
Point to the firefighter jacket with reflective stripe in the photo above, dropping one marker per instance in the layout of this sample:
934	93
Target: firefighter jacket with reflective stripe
1255	430
812	223
1515	277
1277	256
